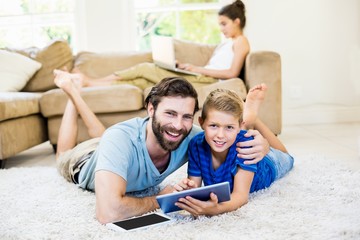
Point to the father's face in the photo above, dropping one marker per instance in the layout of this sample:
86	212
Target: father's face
172	121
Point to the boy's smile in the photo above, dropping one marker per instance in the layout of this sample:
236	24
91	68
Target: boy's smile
221	129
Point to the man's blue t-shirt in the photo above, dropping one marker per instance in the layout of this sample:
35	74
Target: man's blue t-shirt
200	164
122	150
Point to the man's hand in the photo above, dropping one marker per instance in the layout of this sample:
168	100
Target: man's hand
254	150
166	190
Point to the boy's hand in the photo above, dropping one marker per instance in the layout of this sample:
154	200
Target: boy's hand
198	207
185	184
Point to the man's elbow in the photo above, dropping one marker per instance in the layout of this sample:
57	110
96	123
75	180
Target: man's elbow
103	218
108	216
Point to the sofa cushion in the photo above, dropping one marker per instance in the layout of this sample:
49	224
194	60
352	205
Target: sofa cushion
102	64
13	79
100	99
18	104
56	55
194	53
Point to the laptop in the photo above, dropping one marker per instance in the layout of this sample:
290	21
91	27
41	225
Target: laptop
163	54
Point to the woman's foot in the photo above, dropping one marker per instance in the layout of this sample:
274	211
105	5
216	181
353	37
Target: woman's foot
66	81
81	77
252	105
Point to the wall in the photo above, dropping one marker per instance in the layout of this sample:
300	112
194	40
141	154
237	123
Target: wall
318	40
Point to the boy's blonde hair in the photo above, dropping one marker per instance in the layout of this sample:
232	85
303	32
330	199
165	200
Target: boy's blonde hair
225	101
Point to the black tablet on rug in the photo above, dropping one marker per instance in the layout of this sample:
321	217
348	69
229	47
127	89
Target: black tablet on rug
139	222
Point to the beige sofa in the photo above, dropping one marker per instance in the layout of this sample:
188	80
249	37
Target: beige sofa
22	125
116	103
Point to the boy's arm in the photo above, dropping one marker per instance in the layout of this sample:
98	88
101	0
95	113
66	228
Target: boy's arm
239	197
111	202
240	193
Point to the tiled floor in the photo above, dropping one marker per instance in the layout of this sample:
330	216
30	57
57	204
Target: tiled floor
335	141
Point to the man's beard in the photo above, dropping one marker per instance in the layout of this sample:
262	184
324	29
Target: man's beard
159	134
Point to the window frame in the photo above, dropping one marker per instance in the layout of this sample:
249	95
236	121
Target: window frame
175	8
34	21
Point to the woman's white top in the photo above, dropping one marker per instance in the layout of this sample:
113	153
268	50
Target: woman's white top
222	57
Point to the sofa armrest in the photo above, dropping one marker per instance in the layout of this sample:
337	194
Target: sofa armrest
265	67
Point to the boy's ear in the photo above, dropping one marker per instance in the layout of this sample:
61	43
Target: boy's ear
201	121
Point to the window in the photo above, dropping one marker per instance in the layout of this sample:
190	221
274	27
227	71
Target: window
193	20
26	23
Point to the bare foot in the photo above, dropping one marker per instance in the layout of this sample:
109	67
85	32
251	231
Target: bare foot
64	68
65	81
253	101
80	77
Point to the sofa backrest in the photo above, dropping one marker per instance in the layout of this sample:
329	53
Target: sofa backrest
56	55
195	53
102	64
97	65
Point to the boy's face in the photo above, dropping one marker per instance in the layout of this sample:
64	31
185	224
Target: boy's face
220	129
172	121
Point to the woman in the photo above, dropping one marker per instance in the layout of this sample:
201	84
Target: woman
225	63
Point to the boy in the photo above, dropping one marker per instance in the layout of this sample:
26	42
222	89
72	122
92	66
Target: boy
212	153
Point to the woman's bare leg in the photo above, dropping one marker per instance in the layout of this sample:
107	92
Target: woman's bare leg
74	107
90	82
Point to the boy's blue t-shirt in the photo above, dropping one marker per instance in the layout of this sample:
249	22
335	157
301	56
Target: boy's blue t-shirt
200	164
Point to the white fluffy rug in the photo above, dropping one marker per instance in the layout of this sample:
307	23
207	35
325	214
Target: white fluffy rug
317	200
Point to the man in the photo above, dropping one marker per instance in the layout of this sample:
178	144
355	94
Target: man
136	154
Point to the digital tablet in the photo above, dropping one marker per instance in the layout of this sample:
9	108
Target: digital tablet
167	201
140	222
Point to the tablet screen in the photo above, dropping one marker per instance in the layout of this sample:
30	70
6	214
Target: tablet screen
167	201
141	221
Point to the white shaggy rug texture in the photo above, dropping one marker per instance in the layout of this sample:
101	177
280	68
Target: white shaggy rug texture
318	199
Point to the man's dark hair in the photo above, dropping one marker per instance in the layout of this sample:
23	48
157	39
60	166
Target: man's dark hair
172	87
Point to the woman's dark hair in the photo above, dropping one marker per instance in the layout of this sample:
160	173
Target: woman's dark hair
233	11
172	87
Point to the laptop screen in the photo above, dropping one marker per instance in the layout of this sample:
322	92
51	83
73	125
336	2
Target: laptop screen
163	51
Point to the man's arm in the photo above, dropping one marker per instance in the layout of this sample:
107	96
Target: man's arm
253	151
111	202
260	145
